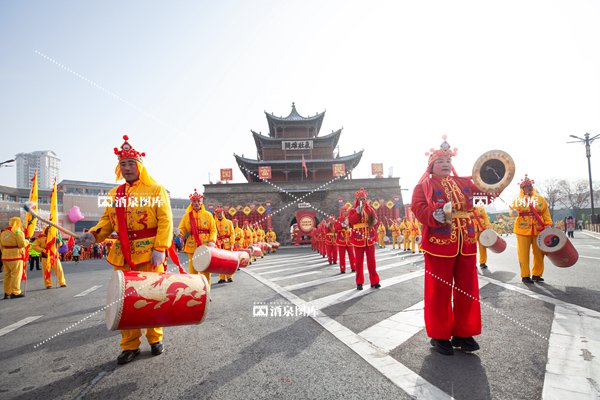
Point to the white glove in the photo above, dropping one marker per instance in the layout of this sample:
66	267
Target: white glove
439	216
158	258
211	244
85	239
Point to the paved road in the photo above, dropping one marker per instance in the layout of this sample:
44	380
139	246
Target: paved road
321	338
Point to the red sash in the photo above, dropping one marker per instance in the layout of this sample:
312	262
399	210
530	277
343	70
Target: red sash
120	210
195	231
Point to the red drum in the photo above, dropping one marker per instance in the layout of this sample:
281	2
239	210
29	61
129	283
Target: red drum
275	245
150	299
244	259
557	247
216	261
256	251
490	240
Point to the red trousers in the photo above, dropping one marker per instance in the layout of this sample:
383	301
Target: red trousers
359	256
450	312
332	253
342	249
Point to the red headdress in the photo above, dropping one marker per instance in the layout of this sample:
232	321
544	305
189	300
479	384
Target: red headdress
526	181
196	195
127	151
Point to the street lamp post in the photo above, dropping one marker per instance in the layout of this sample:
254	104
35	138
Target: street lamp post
587	140
3	163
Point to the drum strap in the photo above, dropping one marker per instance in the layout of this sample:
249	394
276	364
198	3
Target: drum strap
120	210
195	229
172	251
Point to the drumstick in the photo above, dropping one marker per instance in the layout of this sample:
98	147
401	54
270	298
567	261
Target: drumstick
28	207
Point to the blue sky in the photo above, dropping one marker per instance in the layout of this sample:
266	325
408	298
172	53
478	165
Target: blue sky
187	81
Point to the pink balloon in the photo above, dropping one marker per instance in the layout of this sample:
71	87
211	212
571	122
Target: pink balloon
75	214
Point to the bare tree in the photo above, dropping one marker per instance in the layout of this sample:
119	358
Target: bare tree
574	195
551	190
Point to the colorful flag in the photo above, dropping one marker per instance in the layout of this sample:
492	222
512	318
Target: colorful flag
52	233
30	220
304	166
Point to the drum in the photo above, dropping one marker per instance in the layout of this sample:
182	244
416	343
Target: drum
216	261
275	245
150	299
558	247
490	240
244	259
419	239
256	251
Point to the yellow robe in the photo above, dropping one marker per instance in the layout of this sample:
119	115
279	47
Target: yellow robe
13	245
204	221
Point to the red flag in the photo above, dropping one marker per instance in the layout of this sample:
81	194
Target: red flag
304	166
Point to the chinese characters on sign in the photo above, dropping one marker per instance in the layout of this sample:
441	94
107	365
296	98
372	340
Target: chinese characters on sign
226	174
264	172
339	169
376	169
296	144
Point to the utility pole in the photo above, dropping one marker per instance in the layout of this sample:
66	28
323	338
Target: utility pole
587	140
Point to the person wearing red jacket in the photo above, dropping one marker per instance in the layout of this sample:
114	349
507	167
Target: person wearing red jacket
443	203
363	219
342	233
330	242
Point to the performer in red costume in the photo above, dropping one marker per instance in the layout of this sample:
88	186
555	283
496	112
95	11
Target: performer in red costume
450	246
363	219
343	241
330	243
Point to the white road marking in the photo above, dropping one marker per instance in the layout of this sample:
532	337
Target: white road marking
90	290
18	324
280	278
398	373
397	329
573	370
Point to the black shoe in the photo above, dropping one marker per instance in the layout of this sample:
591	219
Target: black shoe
17	296
376	286
222	281
342	272
63	285
353	270
358	287
38	269
6	296
482	266
526	280
157	348
442	346
229	280
536	278
466	344
127	356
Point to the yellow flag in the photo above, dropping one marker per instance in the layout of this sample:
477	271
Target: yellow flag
30	220
51	237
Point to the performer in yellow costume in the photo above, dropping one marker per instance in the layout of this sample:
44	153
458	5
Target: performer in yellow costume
271	237
13	245
41	246
140	214
406	228
415	231
527	208
381	235
199	227
395	229
480	222
226	238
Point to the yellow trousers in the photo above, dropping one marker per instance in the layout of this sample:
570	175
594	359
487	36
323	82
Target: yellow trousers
381	241
58	271
407	242
395	241
130	338
191	269
524	244
413	242
13	270
482	250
